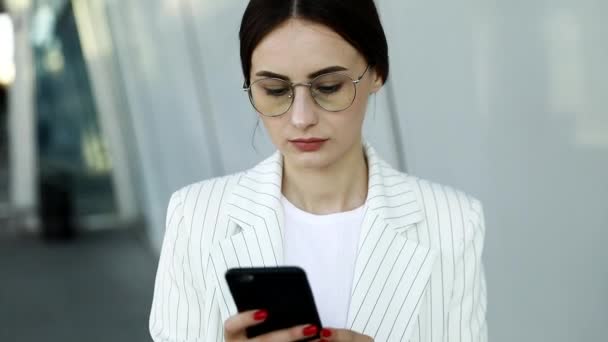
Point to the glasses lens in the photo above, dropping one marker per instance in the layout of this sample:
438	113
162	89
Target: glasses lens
334	92
271	96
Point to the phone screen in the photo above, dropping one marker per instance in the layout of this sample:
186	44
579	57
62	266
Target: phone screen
283	291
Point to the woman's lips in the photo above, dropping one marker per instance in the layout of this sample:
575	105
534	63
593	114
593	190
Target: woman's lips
308	145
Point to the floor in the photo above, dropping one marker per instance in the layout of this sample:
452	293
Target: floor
95	288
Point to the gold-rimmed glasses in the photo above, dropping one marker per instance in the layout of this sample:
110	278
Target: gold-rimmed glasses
334	92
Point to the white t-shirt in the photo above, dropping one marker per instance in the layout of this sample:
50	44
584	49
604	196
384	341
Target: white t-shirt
325	246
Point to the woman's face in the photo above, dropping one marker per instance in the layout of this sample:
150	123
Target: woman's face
296	50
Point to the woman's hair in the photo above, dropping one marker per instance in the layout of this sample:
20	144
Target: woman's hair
357	21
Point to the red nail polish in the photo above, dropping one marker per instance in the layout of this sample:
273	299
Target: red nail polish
310	330
260	315
326	333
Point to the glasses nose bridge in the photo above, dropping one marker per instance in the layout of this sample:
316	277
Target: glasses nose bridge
301	84
308	99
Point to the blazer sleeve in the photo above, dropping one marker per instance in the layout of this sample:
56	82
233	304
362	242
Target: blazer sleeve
467	315
176	313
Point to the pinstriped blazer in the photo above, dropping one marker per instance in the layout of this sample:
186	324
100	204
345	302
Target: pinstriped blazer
418	274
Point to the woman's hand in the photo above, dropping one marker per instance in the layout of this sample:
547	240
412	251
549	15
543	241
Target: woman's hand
343	335
234	329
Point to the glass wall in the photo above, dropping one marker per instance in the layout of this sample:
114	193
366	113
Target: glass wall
73	157
3	148
7	74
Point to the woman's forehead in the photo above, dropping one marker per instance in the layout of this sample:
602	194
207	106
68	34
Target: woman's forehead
300	47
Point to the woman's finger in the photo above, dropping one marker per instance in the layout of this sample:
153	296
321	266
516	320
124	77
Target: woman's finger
328	334
337	335
235	326
343	335
296	333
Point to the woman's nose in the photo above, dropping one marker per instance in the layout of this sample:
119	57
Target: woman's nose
303	110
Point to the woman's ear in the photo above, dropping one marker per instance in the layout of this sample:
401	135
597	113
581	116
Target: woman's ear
377	81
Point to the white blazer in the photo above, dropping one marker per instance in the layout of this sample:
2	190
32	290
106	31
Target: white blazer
418	274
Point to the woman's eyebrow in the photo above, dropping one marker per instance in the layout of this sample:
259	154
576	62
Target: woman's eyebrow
265	73
327	70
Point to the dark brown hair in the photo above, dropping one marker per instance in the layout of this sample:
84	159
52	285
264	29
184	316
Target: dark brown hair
357	21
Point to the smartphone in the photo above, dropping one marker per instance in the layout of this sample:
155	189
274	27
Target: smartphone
283	291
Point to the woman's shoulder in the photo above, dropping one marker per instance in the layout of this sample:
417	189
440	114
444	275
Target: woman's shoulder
448	206
432	193
216	188
197	206
219	187
438	201
434	198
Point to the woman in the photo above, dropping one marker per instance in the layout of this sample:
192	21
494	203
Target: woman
390	257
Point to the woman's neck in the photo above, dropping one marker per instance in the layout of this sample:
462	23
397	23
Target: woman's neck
338	188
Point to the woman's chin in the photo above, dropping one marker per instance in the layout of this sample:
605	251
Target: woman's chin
308	160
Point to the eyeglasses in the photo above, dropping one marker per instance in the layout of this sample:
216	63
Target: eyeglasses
333	92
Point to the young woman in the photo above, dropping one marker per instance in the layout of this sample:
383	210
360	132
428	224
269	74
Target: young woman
390	257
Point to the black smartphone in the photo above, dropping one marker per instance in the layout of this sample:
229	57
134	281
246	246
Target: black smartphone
283	291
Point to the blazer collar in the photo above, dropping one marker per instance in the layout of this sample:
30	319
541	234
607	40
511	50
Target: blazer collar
379	308
390	194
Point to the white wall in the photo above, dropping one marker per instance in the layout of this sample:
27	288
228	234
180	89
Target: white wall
507	99
502	98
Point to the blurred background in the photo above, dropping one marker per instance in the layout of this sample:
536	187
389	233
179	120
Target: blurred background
108	106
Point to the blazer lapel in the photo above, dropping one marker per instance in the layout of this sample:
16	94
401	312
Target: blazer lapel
391	271
255	213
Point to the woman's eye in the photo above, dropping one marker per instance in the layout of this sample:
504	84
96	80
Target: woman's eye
328	89
277	91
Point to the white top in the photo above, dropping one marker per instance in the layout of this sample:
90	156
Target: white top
325	246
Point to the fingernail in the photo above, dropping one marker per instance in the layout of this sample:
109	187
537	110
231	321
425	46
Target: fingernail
310	330
326	333
260	315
